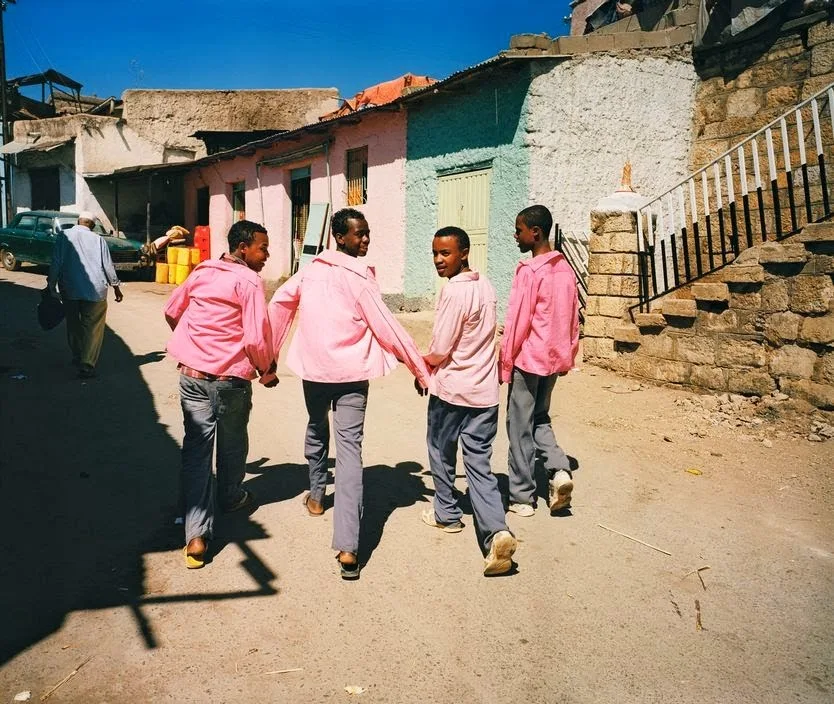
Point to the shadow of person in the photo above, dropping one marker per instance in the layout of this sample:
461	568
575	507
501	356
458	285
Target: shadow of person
87	478
279	482
89	481
386	489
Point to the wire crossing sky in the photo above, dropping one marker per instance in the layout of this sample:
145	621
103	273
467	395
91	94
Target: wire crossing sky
112	46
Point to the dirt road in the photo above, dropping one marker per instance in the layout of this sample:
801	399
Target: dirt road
92	567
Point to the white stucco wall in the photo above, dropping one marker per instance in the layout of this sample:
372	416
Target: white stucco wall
591	114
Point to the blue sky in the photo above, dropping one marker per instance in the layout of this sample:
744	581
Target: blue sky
110	46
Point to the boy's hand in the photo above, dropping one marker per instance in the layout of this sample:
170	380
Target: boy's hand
419	388
269	380
119	294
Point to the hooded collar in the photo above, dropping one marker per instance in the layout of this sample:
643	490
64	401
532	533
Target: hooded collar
334	257
536	263
464	276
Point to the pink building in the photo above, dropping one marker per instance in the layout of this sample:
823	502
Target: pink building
353	161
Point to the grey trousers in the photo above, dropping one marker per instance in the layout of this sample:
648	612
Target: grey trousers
212	409
529	430
475	428
348	401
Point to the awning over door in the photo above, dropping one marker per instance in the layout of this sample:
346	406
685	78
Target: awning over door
42	145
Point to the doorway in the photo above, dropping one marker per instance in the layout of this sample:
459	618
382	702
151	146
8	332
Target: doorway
300	211
46	188
463	201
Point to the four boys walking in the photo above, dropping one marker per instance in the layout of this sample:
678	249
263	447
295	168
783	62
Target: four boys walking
224	335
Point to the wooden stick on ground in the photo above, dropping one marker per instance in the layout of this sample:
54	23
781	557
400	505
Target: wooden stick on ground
65	680
636	540
698	572
283	672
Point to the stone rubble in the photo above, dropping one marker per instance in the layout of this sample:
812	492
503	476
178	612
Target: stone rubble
756	416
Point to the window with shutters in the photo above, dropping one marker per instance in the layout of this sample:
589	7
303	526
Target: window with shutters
357	176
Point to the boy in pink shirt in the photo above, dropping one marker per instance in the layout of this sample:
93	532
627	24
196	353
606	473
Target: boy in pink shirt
541	339
221	340
463	401
345	336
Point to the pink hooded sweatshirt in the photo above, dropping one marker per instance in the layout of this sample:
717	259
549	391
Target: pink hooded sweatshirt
541	331
222	325
345	331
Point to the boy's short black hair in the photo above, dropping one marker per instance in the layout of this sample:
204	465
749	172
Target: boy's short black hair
338	223
537	216
243	232
456	232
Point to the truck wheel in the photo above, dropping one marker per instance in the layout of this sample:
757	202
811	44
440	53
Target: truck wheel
9	260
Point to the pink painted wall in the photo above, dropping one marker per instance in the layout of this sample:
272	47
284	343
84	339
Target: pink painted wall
385	136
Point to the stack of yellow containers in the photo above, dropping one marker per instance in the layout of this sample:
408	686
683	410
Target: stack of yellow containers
181	260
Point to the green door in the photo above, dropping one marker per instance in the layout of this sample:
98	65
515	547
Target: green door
463	201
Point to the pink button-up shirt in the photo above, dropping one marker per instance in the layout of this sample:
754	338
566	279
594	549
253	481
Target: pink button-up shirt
541	331
221	322
462	349
345	331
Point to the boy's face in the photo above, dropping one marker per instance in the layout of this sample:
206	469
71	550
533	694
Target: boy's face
255	254
449	258
526	237
356	240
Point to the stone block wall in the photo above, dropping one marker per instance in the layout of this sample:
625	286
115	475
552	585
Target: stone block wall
613	286
745	86
764	322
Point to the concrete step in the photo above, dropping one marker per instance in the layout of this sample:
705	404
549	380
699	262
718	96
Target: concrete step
817	233
649	321
778	253
712	293
740	274
679	308
627	333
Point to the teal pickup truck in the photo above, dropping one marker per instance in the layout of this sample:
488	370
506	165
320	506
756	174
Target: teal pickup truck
31	236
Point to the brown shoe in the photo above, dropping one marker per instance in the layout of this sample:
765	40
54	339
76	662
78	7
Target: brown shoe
314	508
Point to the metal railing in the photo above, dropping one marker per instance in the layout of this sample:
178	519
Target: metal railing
575	250
743	197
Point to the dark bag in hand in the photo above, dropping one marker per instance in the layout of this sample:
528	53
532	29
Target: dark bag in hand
50	310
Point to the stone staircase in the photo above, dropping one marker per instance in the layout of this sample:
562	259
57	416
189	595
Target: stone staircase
764	322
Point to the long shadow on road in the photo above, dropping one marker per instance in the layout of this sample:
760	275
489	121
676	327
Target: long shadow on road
89	482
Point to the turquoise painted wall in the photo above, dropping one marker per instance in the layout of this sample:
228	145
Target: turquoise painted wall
485	122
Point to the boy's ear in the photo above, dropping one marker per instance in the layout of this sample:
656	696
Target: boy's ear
464	253
537	231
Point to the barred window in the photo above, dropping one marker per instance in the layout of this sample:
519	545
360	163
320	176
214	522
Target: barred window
238	201
357	176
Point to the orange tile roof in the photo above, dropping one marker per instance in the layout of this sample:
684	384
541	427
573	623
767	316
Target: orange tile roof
380	94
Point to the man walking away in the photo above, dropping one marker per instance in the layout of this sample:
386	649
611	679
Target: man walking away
81	270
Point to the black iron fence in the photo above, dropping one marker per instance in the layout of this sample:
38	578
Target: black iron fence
767	187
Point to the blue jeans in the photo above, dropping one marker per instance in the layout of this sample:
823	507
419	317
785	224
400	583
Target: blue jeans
475	429
212	409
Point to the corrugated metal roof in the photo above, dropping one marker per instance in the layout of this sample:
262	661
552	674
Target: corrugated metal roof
42	145
324	125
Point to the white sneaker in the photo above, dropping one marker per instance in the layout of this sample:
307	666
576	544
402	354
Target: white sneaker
561	487
427	516
500	557
525	510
